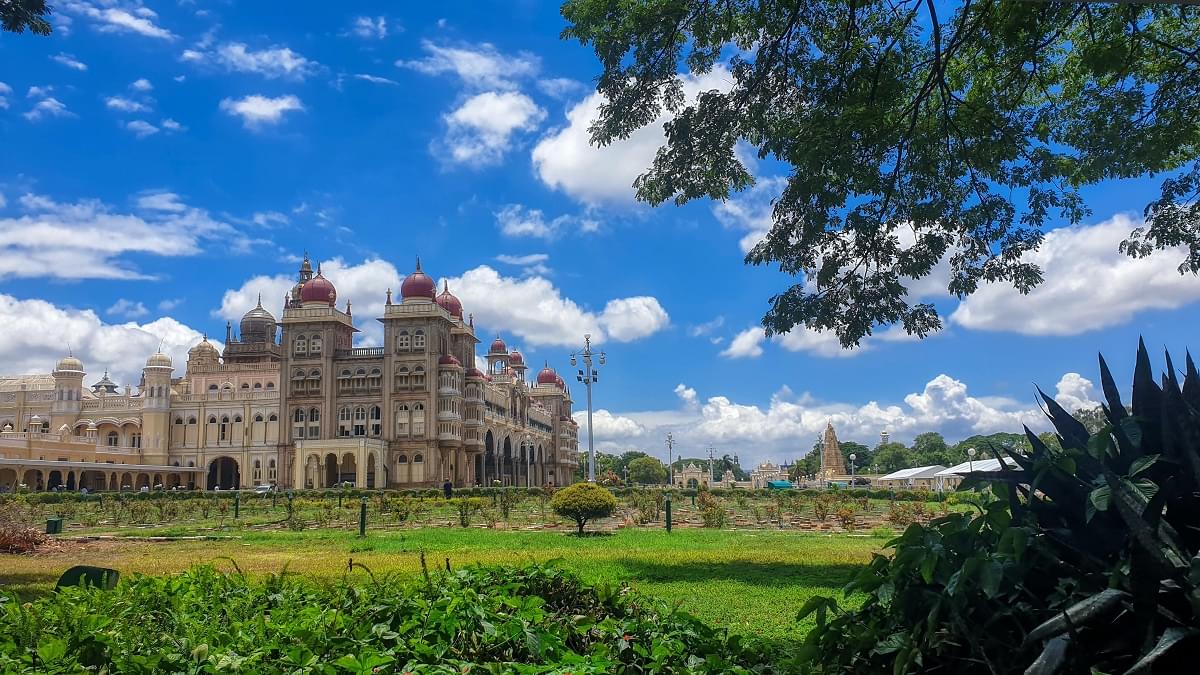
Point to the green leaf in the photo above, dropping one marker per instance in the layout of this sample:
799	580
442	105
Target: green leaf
1141	464
990	576
52	649
1169	638
1099	500
1051	658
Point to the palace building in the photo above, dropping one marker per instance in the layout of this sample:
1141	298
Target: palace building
292	402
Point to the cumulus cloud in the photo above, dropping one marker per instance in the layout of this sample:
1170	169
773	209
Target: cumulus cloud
746	344
272	63
514	220
141	84
128	309
69	61
124	104
481	130
478	67
41	332
370	28
560	87
47	107
171	125
750	212
90	240
628	319
115	16
5	90
141	128
1088	284
609	425
565	160
787	425
257	111
529	259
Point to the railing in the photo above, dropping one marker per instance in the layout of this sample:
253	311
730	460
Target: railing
111	403
225	395
358	352
236	368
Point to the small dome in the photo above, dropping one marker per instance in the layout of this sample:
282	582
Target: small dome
449	302
204	348
258	325
498	346
448	360
91	426
419	285
158	360
516	360
548	376
69	364
318	289
475	373
559	381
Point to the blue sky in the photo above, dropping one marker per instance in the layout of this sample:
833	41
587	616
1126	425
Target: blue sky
163	163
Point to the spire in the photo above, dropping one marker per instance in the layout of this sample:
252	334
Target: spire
445	285
418	263
260	300
389	295
228	332
318	269
348	308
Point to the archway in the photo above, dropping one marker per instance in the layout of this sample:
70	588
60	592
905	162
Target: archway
54	480
487	471
508	466
349	469
126	481
223	472
8	480
331	470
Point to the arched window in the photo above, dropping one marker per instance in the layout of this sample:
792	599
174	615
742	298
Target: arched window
402	421
314	423
273	418
272	471
314	381
301	346
270	385
418	420
374	378
298	423
402	459
237	419
212	419
191	420
245	385
418	458
212	387
314	345
402	378
376	415
344	424
257	470
419	340
418	378
258	418
112	439
258	385
178	420
135	440
403	341
223	430
360	421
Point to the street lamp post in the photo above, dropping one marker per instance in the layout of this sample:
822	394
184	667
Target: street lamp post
971	460
670	459
589	376
852	458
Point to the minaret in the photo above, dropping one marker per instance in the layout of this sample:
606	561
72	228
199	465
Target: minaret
68	392
156	408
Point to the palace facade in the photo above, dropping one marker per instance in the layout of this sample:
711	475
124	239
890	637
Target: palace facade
294	403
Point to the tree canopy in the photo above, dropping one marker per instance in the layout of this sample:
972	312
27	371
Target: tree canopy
917	133
17	15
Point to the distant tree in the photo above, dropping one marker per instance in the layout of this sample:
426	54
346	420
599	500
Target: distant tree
17	15
1092	418
892	456
583	502
930	448
1050	439
914	133
807	465
861	453
647	470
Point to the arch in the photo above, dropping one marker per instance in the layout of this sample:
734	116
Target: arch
372	472
270	385
349	469
225	473
245	385
331	470
112	439
507	465
258	385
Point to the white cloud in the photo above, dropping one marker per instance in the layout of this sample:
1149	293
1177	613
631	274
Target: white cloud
609	425
39	92
169	304
269	219
560	87
4	91
707	327
477	66
818	343
565	160
124	104
514	220
114	16
141	84
1088	284
746	345
1075	392
529	259
271	63
533	309
69	61
42	332
751	211
374	79
88	240
687	395
171	125
370	28
128	309
256	110
141	128
47	107
480	131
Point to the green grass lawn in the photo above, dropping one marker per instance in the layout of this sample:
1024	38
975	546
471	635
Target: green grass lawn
752	582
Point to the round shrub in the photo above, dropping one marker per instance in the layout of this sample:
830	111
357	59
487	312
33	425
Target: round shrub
582	502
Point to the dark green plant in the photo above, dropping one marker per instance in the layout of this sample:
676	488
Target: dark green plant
1085	559
583	502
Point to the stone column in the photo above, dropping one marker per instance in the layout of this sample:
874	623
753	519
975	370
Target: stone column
360	466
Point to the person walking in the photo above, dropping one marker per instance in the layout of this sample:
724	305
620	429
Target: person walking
448	489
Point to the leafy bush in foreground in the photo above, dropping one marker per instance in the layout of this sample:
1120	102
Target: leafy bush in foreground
582	502
1087	560
534	620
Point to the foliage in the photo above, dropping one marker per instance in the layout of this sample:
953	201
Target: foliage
466	507
649	505
647	470
910	130
17	15
15	538
582	502
847	517
712	510
534	620
1087	559
505	501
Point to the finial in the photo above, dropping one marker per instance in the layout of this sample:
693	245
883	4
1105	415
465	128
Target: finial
203	336
445	285
318	268
347	307
260	300
418	263
389	295
471	319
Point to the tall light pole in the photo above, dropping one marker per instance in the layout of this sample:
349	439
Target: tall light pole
852	458
971	460
589	376
670	459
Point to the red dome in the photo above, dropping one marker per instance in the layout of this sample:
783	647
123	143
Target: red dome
448	360
475	372
318	289
449	302
548	376
498	346
418	285
559	381
515	359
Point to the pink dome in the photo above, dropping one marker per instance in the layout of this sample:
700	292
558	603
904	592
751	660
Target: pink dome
448	360
548	376
318	289
559	381
515	359
475	372
498	346
419	285
449	302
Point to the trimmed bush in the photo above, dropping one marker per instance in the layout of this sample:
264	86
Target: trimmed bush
582	502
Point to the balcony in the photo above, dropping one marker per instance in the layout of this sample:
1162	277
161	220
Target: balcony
358	352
